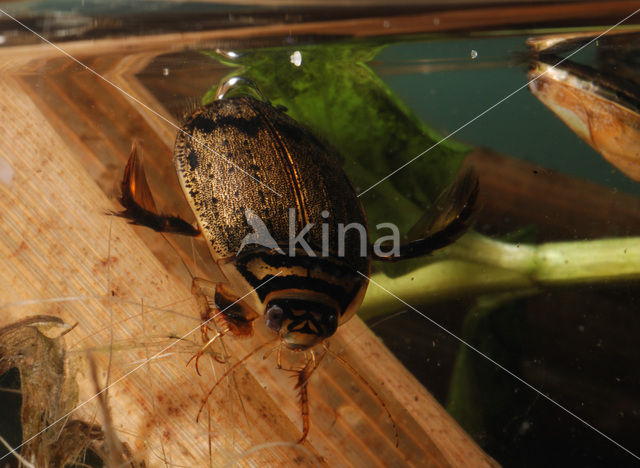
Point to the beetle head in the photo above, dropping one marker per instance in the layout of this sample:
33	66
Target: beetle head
301	323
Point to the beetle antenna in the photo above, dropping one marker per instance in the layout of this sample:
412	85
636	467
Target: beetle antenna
355	373
229	371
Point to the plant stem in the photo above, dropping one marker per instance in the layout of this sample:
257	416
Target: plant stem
476	264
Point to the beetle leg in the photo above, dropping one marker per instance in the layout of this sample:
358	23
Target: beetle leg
304	409
206	311
304	375
301	386
449	218
201	351
276	348
206	314
279	356
139	205
238	317
235	314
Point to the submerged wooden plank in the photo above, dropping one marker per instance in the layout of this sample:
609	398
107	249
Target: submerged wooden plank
58	243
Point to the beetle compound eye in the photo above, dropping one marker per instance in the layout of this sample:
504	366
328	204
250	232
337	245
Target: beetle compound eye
330	324
273	317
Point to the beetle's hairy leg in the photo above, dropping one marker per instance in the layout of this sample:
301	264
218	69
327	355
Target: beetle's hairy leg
270	352
207	314
313	358
202	350
303	395
237	316
304	411
279	356
450	216
303	376
139	205
203	290
199	289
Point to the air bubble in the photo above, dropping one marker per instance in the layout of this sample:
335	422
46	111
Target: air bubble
228	53
296	58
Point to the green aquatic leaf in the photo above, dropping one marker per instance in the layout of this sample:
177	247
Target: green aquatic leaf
335	93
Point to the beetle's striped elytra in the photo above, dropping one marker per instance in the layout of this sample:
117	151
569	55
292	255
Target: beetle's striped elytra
240	158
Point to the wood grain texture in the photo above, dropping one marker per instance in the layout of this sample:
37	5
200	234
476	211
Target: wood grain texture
64	137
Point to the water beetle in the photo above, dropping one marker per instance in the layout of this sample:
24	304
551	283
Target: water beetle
274	205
